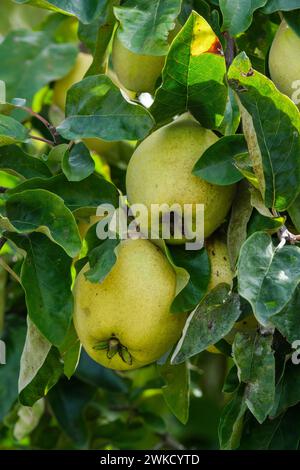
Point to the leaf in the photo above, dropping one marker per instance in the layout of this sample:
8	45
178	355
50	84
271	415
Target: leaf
14	160
288	320
68	400
232	115
145	24
28	419
11	131
267	277
197	265
90	372
46	280
281	5
70	351
287	390
260	223
231	421
102	259
193	76
274	434
208	323
88	193
237	228
294	213
85	10
238	14
254	358
216	165
14	337
35	62
293	19
272	130
231	383
78	163
96	108
176	390
40	210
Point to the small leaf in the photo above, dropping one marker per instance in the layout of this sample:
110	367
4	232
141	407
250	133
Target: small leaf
96	108
254	358
11	131
78	163
193	76
40	210
70	351
102	259
176	390
14	160
46	280
145	24
216	165
208	323
267	277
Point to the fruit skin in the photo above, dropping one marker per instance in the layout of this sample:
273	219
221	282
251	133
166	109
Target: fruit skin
284	60
61	87
219	262
160	171
132	304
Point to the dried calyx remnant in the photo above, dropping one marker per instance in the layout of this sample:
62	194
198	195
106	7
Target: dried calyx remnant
113	347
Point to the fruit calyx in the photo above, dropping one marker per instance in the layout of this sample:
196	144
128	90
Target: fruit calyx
113	347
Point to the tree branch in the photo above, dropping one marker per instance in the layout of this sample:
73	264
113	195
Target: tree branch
46	123
48	142
230	49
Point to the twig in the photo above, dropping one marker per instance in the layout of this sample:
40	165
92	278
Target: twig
46	123
35	137
230	49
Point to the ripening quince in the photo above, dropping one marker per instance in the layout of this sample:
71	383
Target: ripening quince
160	172
61	87
125	322
284	62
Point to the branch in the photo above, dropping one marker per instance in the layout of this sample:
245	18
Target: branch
46	123
230	49
35	137
285	236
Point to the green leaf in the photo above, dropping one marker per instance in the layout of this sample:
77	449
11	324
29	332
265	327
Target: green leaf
101	259
231	383
85	10
287	390
176	390
40	210
46	280
11	131
267	277
274	434
35	62
88	193
254	358
232	115
288	320
40	367
293	19
78	163
96	108
216	165
70	351
193	76
260	223
238	14
197	265
281	5
90	372
271	125
294	213
211	321
14	337
145	24
68	400
231	421
14	160
237	228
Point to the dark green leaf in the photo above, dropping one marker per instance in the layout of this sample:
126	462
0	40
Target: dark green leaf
102	259
254	359
210	322
293	19
288	320
40	210
267	277
78	163
96	108
145	24
271	125
11	131
46	279
231	383
237	14
68	400
193	76
281	5
70	351
294	213
216	165
231	421
197	264
176	390
287	390
14	160
260	223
